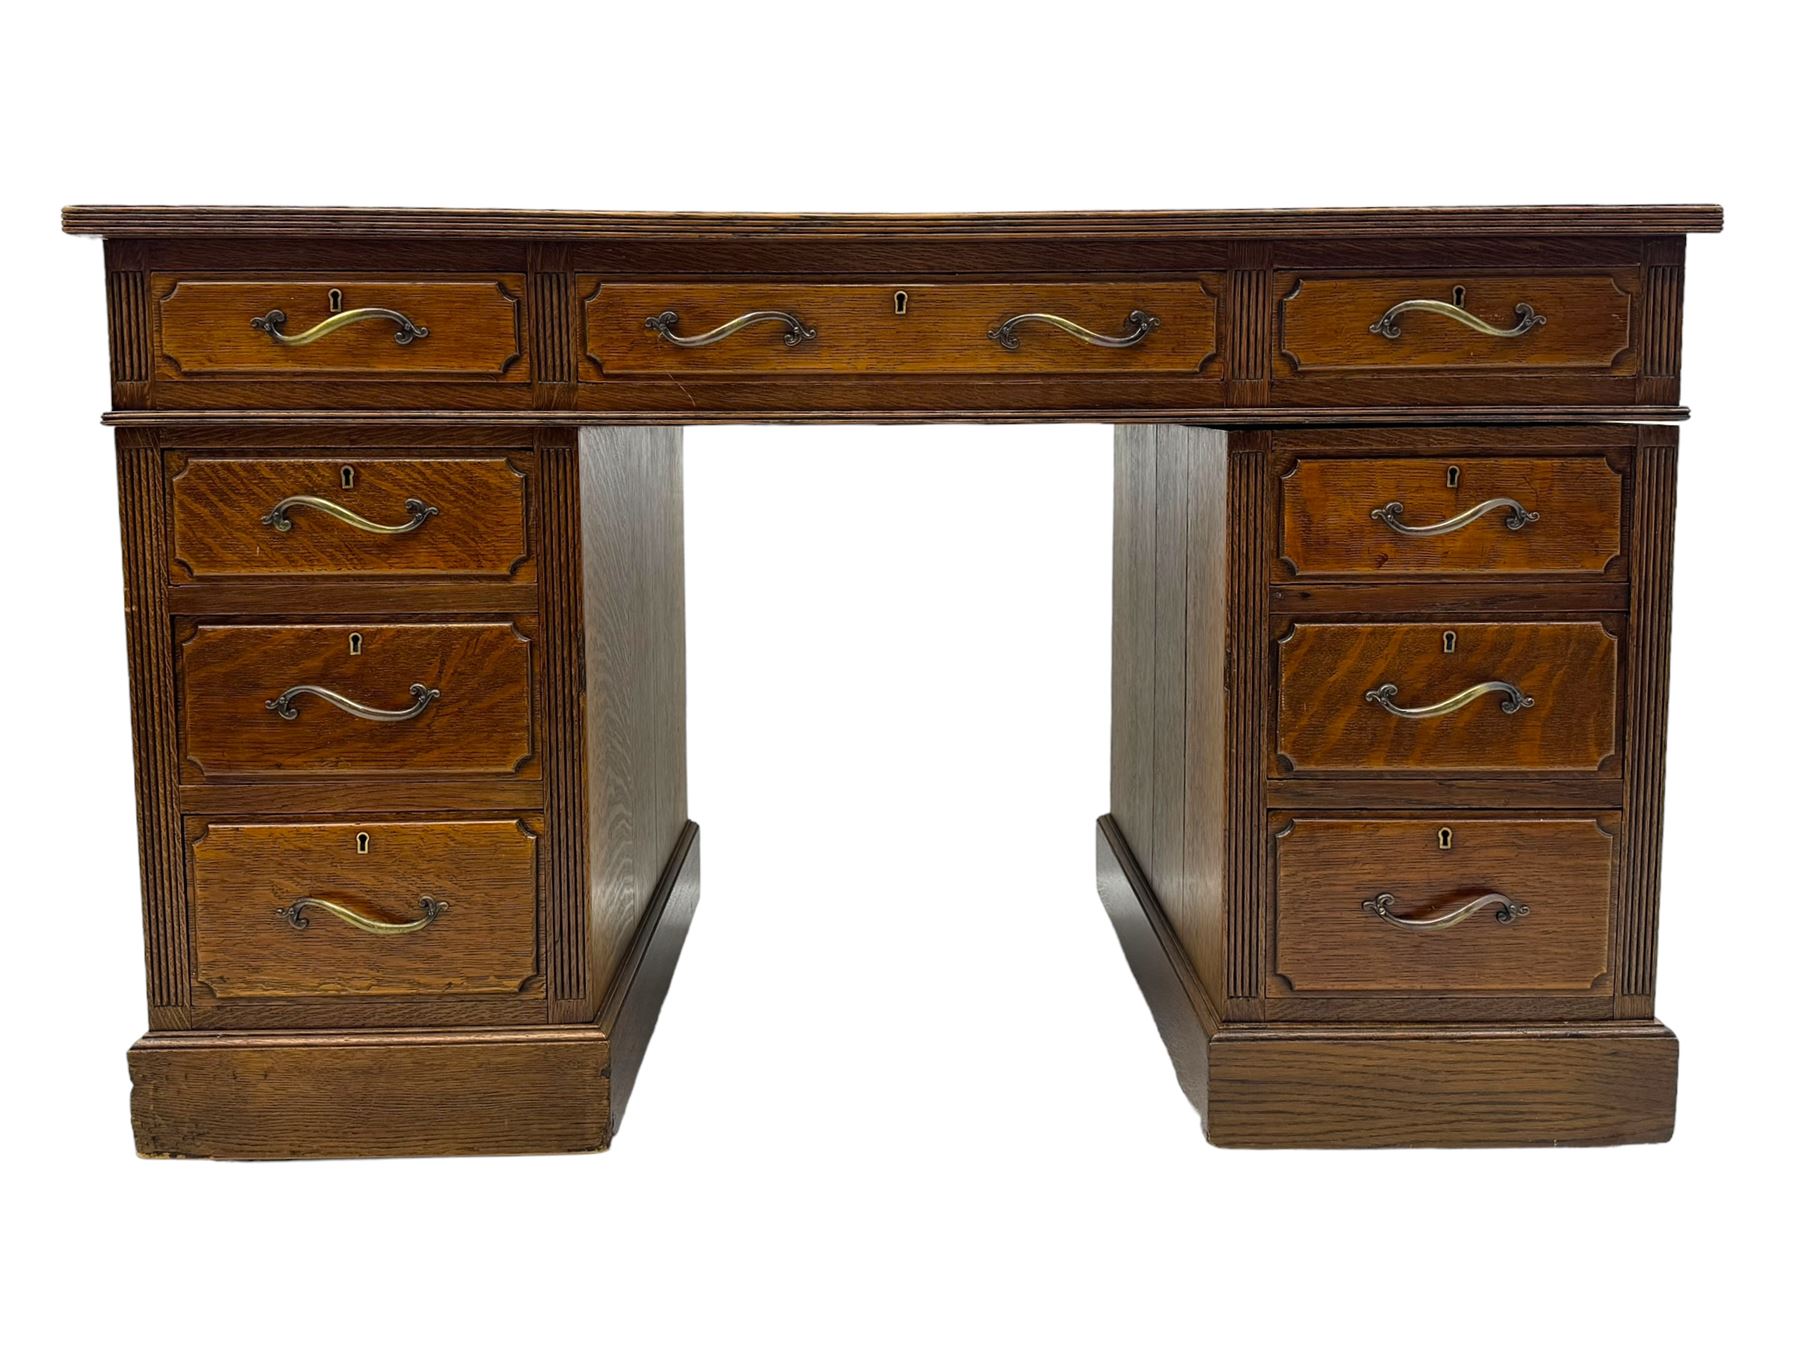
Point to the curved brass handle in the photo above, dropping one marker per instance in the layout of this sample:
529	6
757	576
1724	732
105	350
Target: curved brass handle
271	322
1138	325
1382	908
295	914
1517	517
1514	699
418	512
283	706
1388	325
797	329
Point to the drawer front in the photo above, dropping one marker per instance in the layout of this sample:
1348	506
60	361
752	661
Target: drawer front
289	910
1506	697
338	700
339	327
1133	328
316	517
1539	322
1444	906
1451	517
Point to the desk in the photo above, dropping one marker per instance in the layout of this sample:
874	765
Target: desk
400	494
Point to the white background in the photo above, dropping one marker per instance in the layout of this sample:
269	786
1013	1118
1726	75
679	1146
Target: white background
904	1090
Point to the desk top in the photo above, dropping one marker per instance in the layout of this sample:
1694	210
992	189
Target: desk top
1387	222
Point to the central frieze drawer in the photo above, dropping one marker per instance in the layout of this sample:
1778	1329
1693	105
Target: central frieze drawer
291	910
1452	905
779	328
1451	516
336	700
1448	697
315	517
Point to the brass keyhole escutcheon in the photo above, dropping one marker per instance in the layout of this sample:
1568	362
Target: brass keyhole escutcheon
1452	476
347	476
900	299
335	299
1449	641
1444	837
356	644
362	841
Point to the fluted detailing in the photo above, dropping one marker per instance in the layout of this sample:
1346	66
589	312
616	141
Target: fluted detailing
1246	715
560	603
1646	713
148	640
128	326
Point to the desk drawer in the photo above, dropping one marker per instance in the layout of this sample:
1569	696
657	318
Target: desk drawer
1463	321
1451	516
1124	327
318	516
339	327
1450	905
1448	698
347	908
344	700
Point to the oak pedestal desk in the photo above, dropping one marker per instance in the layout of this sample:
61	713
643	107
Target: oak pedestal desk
401	501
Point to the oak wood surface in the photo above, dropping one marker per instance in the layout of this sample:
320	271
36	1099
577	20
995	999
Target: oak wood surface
481	722
480	526
1325	322
473	327
1327	529
484	940
1327	943
1326	722
867	328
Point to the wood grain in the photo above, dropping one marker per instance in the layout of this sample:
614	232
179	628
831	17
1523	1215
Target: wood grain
480	528
485	941
481	723
1325	323
944	327
1327	867
1326	722
203	328
1327	529
370	1094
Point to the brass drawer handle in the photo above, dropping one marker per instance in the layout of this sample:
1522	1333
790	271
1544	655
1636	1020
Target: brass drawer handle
417	510
1513	700
271	322
295	914
1138	324
1388	325
797	330
283	706
1517	517
1382	908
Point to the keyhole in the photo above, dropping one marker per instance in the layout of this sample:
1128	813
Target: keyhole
335	298
356	644
900	299
1449	642
1457	293
1444	837
1452	476
362	841
347	476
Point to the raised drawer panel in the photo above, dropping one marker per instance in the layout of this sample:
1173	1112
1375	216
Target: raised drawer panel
1444	905
316	517
1380	698
1451	516
871	330
1464	321
339	327
431	700
347	908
